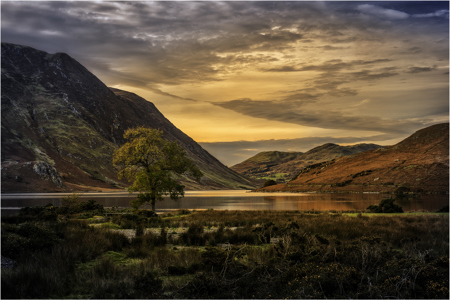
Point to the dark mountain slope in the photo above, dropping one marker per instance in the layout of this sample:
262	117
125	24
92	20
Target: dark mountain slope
271	164
420	163
61	124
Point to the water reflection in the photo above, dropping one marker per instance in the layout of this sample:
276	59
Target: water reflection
237	200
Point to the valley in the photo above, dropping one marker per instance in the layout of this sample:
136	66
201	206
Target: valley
418	164
283	166
225	149
61	124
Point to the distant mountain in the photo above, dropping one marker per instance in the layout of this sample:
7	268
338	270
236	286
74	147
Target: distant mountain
61	125
420	163
284	165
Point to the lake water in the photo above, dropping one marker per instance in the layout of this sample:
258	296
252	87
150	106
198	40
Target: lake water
234	200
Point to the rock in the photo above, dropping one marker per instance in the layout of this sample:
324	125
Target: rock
46	171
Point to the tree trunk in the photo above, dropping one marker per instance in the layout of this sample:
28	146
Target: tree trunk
153	204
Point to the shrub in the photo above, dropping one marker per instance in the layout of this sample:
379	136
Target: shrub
71	203
386	206
148	285
269	183
241	236
177	270
17	240
443	210
146	213
139	230
400	191
91	205
43	213
194	235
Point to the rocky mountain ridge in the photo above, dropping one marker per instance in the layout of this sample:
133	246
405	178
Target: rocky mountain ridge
419	163
61	124
283	166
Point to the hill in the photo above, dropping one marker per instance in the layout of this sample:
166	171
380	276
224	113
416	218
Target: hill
283	166
420	163
61	124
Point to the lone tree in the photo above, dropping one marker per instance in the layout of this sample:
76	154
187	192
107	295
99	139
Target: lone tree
150	162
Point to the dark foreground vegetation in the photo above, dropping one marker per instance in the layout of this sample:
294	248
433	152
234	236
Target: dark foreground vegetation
81	250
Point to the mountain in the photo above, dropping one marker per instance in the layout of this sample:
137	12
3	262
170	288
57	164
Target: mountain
61	125
284	165
420	163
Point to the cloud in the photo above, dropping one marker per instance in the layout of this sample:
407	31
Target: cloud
170	42
307	63
415	50
362	102
295	113
442	13
173	43
302	97
382	12
369	75
159	92
415	70
328	66
331	48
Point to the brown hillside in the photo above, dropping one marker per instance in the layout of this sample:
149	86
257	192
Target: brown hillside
275	164
419	163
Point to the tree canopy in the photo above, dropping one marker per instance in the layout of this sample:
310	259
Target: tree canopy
150	162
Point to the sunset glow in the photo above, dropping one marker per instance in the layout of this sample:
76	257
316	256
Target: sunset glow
245	77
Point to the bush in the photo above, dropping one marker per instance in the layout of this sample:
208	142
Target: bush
269	183
147	213
148	285
402	190
16	240
43	213
91	205
443	210
194	235
70	203
386	206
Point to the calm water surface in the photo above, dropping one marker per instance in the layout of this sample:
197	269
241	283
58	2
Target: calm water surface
234	200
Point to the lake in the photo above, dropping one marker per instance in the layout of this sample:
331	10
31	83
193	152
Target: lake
234	200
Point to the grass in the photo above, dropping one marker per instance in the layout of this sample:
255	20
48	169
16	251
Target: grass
267	254
395	214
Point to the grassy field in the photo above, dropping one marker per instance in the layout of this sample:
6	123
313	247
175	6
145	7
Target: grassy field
83	251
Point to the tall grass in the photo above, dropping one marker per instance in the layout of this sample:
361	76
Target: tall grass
269	255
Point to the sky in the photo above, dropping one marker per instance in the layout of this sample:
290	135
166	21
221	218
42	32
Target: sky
244	77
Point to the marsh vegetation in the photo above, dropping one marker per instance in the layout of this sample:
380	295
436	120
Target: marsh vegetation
81	250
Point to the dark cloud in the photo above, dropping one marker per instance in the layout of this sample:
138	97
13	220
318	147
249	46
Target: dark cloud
329	66
331	48
294	113
415	50
178	42
415	70
303	97
152	44
369	75
335	73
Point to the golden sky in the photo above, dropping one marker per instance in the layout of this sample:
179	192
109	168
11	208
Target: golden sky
245	77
